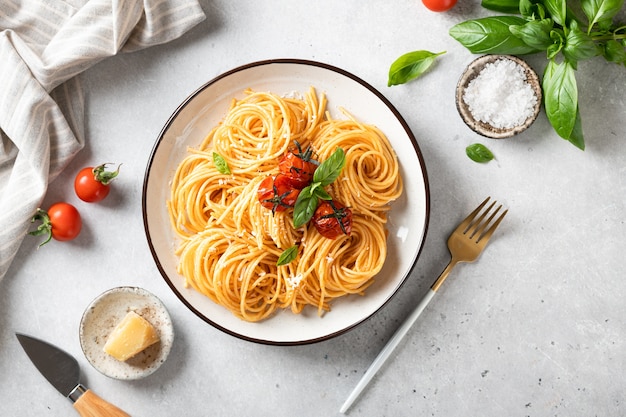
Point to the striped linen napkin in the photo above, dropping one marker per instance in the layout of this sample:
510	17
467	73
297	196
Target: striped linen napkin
44	44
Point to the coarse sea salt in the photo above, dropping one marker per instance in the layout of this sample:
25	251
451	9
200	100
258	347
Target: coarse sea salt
500	95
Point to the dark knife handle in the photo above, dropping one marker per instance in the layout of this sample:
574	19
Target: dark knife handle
91	405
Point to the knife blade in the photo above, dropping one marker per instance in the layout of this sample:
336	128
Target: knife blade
63	372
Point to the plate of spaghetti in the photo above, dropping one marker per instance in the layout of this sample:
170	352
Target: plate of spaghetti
285	201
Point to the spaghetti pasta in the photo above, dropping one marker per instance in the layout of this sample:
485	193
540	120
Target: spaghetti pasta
230	244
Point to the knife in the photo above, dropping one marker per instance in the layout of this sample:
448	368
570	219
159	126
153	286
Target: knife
63	372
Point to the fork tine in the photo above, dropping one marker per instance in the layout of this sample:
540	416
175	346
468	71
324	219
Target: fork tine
484	238
475	227
465	224
480	225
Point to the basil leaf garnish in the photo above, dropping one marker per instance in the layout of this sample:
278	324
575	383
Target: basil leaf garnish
220	163
478	152
309	197
329	170
287	256
305	207
410	65
322	194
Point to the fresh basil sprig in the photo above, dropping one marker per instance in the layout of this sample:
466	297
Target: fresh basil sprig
478	152
411	65
309	197
565	36
220	163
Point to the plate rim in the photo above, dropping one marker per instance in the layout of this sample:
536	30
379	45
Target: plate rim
290	61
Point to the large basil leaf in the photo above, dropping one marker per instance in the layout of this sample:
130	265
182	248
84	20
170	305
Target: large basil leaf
579	46
576	137
503	6
410	65
560	93
598	11
535	33
614	52
491	35
557	10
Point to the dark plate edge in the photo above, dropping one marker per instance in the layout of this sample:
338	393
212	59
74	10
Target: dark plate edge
345	73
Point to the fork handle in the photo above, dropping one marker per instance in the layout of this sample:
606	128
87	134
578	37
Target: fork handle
443	275
387	350
397	337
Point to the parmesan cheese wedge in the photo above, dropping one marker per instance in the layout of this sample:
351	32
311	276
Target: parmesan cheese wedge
131	336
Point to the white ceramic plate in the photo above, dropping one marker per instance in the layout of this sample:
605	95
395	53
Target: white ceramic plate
188	126
105	312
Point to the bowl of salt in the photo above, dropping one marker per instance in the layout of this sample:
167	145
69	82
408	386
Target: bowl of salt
498	96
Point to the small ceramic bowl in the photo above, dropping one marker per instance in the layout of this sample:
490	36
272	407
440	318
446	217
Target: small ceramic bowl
103	315
471	72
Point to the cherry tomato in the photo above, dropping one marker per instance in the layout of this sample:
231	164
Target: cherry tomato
92	183
439	5
277	193
332	219
62	222
298	166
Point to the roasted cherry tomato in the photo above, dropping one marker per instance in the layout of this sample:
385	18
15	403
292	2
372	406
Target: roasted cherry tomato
439	5
332	219
92	183
277	193
298	166
62	222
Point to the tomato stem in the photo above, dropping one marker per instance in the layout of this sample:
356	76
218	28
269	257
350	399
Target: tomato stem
278	199
103	176
338	214
307	155
45	228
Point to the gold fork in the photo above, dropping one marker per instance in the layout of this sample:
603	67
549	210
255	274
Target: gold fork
466	243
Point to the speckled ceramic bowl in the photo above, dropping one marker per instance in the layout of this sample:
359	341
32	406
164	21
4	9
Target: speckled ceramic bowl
103	315
485	129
